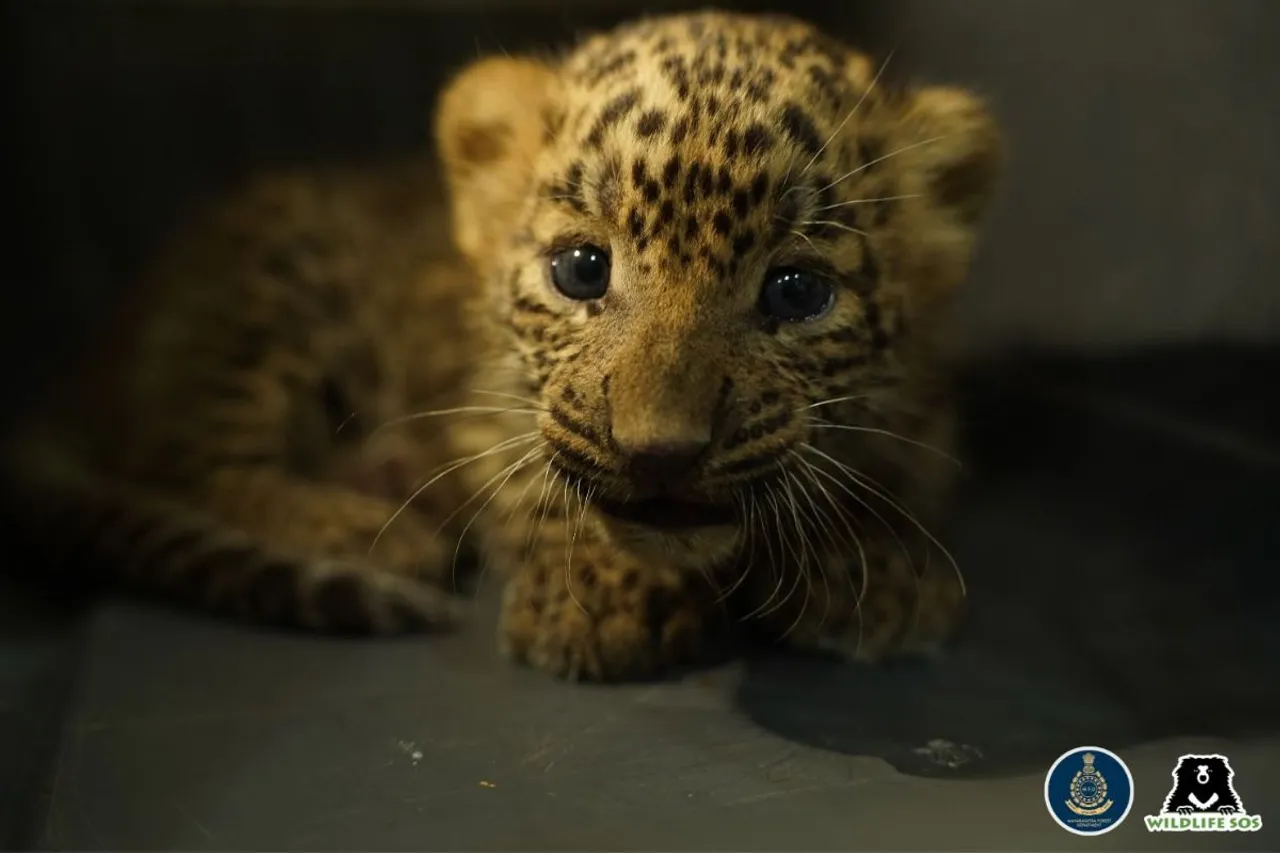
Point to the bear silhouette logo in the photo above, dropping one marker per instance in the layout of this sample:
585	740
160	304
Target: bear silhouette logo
1203	799
1203	784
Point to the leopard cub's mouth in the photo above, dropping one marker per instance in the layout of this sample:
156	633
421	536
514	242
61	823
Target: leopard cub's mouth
667	513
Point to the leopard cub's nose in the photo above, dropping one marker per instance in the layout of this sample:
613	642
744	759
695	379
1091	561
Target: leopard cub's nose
664	463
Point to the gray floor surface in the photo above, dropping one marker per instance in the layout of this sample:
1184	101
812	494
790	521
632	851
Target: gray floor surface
1120	543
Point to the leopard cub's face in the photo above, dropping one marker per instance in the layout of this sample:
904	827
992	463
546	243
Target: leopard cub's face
716	226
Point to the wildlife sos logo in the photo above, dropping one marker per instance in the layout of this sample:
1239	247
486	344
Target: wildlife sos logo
1203	799
1088	790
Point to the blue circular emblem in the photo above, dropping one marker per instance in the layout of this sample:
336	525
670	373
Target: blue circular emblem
1088	790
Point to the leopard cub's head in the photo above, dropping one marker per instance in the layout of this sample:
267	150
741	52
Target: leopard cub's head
698	230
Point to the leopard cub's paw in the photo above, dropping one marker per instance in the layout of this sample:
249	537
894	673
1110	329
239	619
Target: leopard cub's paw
596	632
386	535
903	614
406	547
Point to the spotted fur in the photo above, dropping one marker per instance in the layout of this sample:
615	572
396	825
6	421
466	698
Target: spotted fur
699	151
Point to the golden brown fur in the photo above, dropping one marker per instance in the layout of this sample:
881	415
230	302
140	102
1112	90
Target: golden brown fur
701	155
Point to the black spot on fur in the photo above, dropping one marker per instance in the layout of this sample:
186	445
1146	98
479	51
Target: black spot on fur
635	222
608	188
724	184
759	188
569	189
575	427
651	123
671	172
800	128
691	183
573	462
598	72
524	305
722	222
574	176
665	214
827	83
677	72
730	144
761	86
614	111
756	140
679	131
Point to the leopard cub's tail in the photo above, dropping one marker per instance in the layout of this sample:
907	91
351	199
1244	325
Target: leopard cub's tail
83	528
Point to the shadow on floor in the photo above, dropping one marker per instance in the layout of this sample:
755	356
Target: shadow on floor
1120	548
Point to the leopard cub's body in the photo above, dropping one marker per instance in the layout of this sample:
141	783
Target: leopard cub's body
667	360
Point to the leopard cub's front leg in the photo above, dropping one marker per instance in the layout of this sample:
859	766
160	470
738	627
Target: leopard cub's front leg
586	610
890	598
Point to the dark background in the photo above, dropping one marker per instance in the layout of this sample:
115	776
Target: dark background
1120	330
1140	204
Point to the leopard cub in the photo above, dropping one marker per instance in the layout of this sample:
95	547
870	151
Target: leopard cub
667	357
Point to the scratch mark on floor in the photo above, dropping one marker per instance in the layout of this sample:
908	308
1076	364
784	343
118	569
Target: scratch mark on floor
195	821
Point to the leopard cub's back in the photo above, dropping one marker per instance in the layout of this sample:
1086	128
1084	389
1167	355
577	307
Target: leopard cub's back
198	448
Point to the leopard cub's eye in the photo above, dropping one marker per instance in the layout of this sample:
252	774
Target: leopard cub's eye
581	273
794	295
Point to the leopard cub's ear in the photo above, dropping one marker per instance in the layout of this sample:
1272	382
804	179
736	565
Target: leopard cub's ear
946	136
959	149
490	126
947	148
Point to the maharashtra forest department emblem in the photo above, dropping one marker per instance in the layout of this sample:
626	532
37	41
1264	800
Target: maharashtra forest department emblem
1089	790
